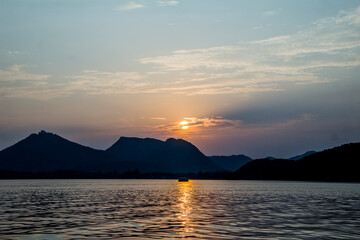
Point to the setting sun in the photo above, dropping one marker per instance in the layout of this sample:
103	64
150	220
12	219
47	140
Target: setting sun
121	102
184	125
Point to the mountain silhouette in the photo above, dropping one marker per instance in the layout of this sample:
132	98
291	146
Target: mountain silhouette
49	152
337	164
172	155
298	157
230	163
264	169
136	149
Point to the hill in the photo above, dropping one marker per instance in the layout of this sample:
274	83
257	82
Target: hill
298	157
172	155
337	164
264	169
230	163
49	152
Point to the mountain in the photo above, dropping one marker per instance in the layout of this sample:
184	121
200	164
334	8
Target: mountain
341	163
172	155
49	152
230	163
266	169
337	164
136	149
298	157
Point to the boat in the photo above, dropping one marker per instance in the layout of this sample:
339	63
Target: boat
183	179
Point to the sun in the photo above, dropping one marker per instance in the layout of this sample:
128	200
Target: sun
184	125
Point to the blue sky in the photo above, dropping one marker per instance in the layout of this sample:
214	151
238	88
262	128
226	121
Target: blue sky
253	77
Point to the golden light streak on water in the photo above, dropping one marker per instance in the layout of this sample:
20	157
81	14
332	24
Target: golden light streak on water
185	206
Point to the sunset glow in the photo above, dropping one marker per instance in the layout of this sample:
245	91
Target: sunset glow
258	71
184	123
174	119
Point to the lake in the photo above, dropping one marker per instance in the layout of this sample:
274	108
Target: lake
112	209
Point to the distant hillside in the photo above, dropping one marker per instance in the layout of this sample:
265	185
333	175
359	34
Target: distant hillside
49	152
46	154
173	155
264	169
298	157
337	164
136	149
230	163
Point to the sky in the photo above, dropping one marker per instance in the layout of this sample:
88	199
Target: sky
261	78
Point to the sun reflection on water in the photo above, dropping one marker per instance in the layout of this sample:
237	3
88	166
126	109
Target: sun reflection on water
185	207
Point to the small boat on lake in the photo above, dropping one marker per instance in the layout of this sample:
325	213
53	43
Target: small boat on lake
183	179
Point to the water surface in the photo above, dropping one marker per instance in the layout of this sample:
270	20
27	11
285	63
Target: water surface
101	209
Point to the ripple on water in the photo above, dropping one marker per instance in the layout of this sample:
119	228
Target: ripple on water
58	209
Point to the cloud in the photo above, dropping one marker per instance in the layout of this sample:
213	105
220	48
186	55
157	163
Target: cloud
18	53
97	82
167	3
13	52
225	87
265	64
158	118
271	13
199	125
302	118
212	122
304	57
16	73
201	128
129	6
257	27
89	82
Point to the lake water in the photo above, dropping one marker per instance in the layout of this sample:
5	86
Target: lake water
112	209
